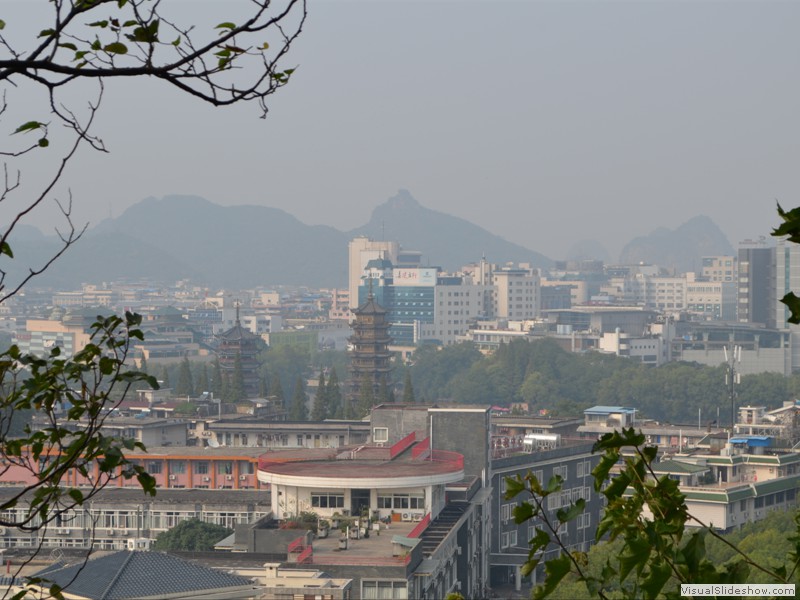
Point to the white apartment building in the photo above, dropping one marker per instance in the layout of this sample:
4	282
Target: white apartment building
715	300
720	268
516	294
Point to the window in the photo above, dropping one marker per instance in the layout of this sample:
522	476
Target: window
506	511
384	590
177	466
154	467
380	434
201	468
327	500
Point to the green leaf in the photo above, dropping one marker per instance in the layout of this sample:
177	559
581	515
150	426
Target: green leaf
514	486
116	48
554	484
68	46
555	570
603	468
523	512
177	41
2	24
565	516
6	249
226	25
656	579
44	142
121	3
790	226
46	32
539	541
76	495
793	303
635	555
102	24
29	126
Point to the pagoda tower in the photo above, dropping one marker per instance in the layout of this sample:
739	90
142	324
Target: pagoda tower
240	342
369	346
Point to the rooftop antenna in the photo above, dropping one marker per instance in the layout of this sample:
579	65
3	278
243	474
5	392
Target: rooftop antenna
732	377
383	230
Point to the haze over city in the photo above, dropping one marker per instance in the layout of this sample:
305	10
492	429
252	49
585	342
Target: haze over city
544	122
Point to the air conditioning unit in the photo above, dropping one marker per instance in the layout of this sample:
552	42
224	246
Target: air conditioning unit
123	532
111	532
65	531
2	530
242	477
206	478
229	477
172	477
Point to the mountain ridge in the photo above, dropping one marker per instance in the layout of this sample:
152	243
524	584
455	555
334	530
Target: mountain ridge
186	236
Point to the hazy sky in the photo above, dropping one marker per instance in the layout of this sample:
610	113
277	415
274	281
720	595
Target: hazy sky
545	122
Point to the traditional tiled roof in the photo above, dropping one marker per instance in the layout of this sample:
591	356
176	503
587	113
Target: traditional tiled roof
370	307
131	574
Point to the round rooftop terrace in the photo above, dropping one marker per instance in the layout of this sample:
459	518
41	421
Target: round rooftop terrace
362	467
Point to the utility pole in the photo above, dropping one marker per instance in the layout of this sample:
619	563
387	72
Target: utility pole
732	377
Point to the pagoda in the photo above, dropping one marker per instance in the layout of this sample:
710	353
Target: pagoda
238	341
369	346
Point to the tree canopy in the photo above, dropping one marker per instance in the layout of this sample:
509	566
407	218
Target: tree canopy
192	535
554	381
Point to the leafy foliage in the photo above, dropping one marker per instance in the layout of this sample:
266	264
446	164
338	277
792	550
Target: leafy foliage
70	398
790	229
320	409
298	410
644	523
554	380
192	535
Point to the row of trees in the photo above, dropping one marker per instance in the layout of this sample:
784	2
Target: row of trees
548	378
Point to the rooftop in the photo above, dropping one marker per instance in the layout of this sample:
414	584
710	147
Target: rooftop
141	575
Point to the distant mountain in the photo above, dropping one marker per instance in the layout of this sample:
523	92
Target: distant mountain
179	237
681	249
444	240
235	246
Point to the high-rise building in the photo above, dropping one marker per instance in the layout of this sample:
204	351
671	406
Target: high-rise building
516	294
422	303
361	251
757	280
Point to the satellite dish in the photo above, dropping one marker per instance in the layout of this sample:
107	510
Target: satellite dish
213	443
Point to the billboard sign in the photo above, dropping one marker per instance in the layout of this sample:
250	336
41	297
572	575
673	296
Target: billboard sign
425	277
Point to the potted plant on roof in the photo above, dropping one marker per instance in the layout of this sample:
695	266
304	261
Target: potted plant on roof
323	526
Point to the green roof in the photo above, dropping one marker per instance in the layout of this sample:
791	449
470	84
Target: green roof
677	467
